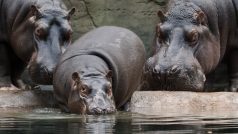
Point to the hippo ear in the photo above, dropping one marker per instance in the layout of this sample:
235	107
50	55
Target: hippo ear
161	16
71	12
75	77
200	17
35	11
109	74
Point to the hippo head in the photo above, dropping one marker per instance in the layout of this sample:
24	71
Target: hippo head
185	49
51	33
91	94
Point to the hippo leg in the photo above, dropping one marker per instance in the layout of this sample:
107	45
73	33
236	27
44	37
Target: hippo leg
5	76
233	70
17	70
126	106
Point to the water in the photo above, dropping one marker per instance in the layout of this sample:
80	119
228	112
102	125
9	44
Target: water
52	121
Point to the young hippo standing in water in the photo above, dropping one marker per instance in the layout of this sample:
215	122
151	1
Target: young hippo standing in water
99	72
33	33
194	36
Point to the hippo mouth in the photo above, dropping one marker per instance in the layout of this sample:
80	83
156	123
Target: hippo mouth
96	106
40	75
187	81
91	106
81	107
99	111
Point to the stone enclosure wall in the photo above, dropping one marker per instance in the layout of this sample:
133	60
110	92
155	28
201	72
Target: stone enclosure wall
140	16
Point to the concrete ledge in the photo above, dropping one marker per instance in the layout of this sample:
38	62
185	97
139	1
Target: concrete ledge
26	98
162	103
185	103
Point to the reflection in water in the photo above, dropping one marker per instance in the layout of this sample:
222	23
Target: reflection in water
48	121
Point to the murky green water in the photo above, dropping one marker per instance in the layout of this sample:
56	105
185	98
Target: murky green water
50	121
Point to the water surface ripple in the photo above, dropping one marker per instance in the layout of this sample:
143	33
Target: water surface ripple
52	121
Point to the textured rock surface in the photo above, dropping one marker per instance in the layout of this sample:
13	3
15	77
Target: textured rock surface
185	103
136	15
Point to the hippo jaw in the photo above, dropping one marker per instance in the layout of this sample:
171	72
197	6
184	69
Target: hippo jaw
51	35
40	74
175	77
91	96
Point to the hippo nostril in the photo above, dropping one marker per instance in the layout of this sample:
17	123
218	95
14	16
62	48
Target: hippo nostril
156	74
104	111
156	69
174	70
48	72
96	111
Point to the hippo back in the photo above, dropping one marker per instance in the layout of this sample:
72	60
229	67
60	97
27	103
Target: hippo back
122	50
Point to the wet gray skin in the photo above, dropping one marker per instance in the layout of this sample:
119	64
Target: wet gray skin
91	93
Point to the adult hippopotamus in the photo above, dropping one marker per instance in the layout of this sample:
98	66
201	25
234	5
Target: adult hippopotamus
194	36
99	72
33	33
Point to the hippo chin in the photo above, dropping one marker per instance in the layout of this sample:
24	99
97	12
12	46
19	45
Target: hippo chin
33	33
99	72
194	36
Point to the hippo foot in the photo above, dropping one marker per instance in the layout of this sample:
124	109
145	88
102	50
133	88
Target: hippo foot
234	86
29	87
23	86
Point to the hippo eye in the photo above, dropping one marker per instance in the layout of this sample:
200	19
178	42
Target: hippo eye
40	33
85	90
193	37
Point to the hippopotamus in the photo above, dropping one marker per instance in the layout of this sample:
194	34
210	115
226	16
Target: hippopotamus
98	73
33	34
192	39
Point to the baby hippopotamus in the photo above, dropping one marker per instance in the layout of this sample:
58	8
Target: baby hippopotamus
99	72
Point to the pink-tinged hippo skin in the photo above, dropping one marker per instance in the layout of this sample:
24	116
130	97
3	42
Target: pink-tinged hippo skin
193	38
33	34
100	71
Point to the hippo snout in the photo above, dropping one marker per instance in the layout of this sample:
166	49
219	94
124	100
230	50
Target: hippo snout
170	71
41	74
101	105
98	110
179	77
47	71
